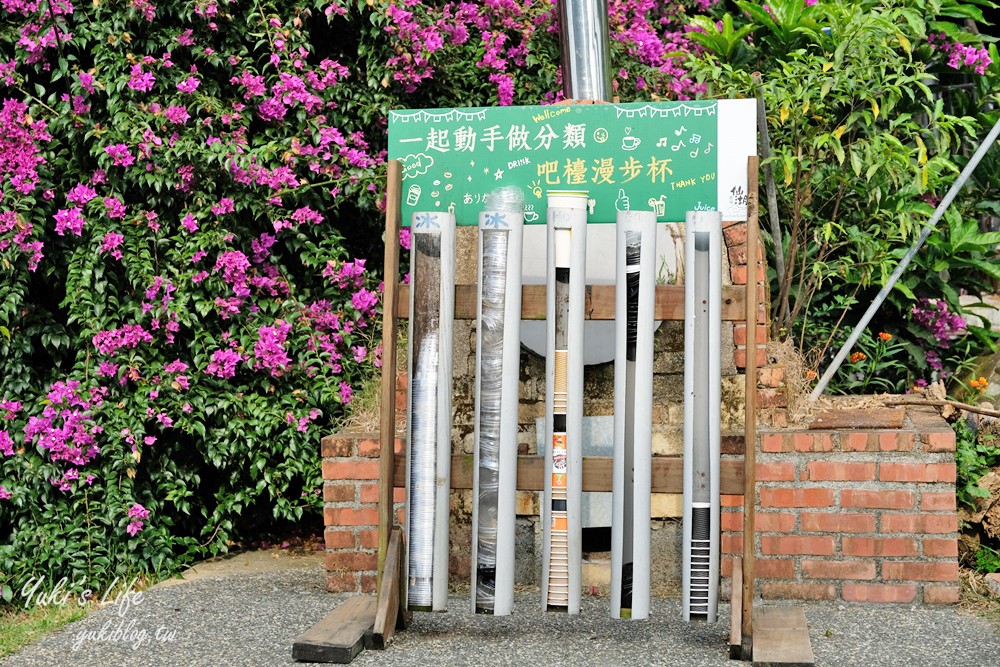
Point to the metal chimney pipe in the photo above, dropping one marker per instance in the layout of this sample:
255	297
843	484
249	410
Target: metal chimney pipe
585	55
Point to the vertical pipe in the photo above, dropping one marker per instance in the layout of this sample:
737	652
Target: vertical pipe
428	460
498	351
565	298
702	387
585	55
634	303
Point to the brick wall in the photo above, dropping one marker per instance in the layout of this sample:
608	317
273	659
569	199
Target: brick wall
350	509
855	516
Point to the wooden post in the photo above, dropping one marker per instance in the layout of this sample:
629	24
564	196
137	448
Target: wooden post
750	423
387	422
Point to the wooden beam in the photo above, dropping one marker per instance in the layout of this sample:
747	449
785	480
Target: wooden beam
600	302
340	635
387	421
781	638
736	611
750	410
667	474
387	610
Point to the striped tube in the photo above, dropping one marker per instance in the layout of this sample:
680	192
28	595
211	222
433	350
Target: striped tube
428	441
567	244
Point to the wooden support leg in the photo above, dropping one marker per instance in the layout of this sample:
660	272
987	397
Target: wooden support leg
736	612
387	609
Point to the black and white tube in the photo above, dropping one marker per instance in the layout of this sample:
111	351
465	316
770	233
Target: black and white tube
428	441
563	500
498	351
634	327
702	391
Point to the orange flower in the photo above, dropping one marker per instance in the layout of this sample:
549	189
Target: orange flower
858	356
980	385
811	375
884	337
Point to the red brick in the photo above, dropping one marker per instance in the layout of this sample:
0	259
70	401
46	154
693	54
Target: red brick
738	254
338	493
932	501
774	568
919	523
822	471
731	521
772	443
369	448
740	359
771	376
812	442
940	548
772	398
732	543
739	275
854	441
350	469
369	493
349	516
368	539
779	590
339	539
940	594
342	582
731	501
879	546
780	471
896	441
350	561
337	446
740	338
838	569
774	522
726	566
823	522
940	441
917	472
790	497
736	234
892	500
917	571
790	545
368	583
879	592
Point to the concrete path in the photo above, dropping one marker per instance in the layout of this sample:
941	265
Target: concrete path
247	614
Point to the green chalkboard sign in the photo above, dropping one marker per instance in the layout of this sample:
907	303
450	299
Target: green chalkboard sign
661	156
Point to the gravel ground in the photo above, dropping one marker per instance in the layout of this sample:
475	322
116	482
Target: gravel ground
253	619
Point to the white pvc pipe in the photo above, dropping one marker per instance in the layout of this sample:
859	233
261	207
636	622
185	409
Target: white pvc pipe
428	441
702	389
634	327
563	500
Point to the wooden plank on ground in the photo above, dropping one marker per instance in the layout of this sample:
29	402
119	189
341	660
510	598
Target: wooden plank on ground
600	302
781	638
340	635
736	611
667	474
888	418
387	609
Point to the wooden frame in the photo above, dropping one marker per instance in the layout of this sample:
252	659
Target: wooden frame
737	477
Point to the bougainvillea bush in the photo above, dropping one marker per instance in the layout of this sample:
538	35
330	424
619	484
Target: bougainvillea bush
188	191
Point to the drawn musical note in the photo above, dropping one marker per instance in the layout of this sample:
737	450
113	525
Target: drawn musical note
694	153
709	149
681	131
662	142
695	139
679	145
